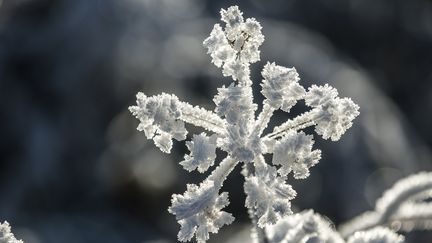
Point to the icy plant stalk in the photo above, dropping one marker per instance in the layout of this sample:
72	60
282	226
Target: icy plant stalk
233	127
405	207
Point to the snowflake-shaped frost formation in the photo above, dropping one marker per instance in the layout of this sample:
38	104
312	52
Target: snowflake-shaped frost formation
235	129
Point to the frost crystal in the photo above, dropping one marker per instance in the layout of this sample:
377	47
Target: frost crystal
6	236
236	129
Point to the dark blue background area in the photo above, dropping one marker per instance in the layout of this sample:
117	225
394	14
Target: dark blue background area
74	169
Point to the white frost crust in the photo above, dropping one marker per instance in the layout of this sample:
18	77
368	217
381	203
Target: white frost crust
235	46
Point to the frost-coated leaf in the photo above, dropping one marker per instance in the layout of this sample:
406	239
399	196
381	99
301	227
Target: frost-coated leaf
280	86
6	236
159	118
203	153
268	195
198	211
294	153
376	235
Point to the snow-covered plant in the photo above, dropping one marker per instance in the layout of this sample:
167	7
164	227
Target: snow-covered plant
6	236
404	207
235	128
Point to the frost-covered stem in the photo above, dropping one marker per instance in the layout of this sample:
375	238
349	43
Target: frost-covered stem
388	205
264	118
362	222
307	119
394	204
258	233
247	83
219	175
201	117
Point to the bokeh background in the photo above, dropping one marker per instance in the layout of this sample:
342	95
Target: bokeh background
74	169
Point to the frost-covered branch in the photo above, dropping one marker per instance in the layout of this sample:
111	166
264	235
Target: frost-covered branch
201	117
402	206
162	119
331	115
308	226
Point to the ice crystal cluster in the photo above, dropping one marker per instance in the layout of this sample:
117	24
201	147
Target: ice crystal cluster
6	236
234	128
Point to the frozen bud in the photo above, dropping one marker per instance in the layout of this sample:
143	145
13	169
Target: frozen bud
294	153
159	118
336	117
280	86
334	114
203	153
320	95
198	211
216	39
268	195
235	46
232	16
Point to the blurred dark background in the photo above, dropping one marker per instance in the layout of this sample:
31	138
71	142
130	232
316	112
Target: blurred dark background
74	169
